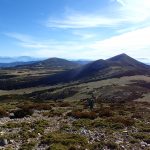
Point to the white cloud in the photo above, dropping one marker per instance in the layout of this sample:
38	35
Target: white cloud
134	11
19	36
128	11
83	35
78	20
135	43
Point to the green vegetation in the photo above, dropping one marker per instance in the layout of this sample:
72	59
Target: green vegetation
21	113
28	146
65	139
69	125
3	112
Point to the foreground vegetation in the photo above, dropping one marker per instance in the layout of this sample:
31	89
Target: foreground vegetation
70	126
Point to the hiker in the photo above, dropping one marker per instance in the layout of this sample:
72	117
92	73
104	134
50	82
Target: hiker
90	102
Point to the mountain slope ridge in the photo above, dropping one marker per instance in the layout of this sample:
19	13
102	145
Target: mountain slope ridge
98	70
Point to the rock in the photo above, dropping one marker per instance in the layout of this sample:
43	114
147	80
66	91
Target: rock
3	142
2	133
125	132
11	141
143	144
119	142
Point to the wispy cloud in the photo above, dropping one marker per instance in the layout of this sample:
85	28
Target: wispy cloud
135	43
45	48
79	20
19	36
134	11
128	11
83	35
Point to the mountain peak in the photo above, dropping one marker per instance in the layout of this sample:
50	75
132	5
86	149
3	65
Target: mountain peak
120	57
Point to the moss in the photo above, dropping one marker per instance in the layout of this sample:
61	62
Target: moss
58	146
111	145
101	123
64	138
133	141
82	123
3	112
142	136
97	146
28	146
32	130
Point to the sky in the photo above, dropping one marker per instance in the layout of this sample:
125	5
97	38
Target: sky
75	29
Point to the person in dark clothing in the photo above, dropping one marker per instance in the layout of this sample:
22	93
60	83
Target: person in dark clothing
90	102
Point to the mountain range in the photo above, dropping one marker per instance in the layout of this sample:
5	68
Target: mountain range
118	66
51	63
18	59
30	62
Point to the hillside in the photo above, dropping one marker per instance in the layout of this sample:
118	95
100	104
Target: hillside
51	63
118	66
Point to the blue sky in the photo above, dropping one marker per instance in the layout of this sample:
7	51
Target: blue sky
75	29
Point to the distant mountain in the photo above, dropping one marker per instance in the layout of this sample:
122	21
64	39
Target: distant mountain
14	64
125	60
118	66
18	59
82	62
52	63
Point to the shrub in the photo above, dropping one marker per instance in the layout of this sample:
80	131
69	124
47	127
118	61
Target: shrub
97	145
65	139
117	126
142	136
36	106
88	115
21	113
64	104
111	145
137	115
53	113
27	146
100	123
107	124
82	122
58	146
124	120
105	113
3	112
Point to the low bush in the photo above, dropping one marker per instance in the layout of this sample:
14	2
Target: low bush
3	112
28	146
36	106
58	146
127	121
100	123
88	115
65	139
142	136
64	104
105	113
82	123
21	113
111	145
